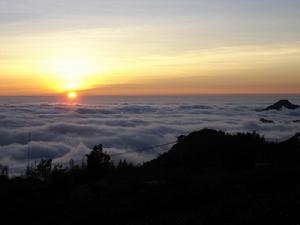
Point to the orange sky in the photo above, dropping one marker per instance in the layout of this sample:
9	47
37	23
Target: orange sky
159	48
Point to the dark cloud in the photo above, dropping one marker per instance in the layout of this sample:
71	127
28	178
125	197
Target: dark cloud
188	107
37	150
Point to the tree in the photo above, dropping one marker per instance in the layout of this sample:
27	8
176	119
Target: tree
41	171
124	166
98	162
3	171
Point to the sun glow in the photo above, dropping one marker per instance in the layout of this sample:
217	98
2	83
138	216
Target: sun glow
68	73
72	95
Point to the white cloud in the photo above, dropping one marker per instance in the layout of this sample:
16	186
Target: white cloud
63	132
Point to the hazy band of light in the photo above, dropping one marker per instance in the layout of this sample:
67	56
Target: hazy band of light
164	47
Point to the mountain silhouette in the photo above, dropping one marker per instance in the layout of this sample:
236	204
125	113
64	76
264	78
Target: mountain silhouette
208	177
212	148
282	104
293	141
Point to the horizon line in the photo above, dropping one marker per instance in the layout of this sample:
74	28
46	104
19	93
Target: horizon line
162	95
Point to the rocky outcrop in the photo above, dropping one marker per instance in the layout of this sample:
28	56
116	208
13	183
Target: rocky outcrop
281	105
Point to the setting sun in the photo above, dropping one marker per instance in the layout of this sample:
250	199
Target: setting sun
113	53
72	95
68	72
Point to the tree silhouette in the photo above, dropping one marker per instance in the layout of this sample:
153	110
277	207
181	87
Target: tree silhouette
3	171
124	166
98	162
41	171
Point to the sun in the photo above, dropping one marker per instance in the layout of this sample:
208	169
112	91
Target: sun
69	72
72	95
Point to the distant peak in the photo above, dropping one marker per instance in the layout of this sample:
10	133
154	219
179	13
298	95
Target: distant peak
282	104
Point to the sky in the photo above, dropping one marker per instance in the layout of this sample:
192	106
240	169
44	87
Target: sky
141	47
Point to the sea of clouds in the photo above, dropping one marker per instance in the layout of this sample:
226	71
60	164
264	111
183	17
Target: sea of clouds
127	129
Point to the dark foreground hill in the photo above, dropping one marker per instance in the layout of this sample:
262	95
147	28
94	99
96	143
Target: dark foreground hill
208	177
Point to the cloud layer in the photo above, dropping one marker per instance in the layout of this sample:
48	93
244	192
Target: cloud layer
125	127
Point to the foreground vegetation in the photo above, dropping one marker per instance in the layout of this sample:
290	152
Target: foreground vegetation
208	177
